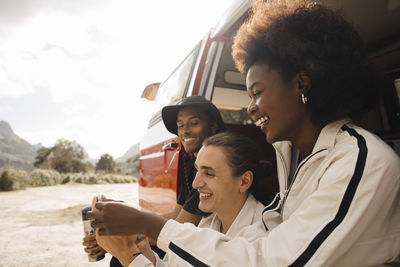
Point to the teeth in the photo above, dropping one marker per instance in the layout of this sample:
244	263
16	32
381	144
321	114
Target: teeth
262	120
204	195
188	139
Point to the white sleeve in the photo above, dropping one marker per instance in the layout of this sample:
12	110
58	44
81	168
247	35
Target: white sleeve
187	245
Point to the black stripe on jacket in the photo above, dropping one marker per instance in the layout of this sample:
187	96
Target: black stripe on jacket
344	205
274	204
186	256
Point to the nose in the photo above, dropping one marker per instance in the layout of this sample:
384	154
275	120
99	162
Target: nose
185	129
198	181
252	107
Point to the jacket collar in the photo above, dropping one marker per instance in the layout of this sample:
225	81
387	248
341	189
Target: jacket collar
327	136
326	140
244	218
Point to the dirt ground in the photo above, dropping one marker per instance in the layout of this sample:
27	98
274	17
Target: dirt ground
42	226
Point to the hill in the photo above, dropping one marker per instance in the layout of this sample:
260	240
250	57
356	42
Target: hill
15	151
129	163
132	152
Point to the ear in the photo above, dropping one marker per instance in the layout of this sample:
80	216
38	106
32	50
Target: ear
303	82
246	180
214	127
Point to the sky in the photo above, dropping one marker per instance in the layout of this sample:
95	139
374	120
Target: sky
76	69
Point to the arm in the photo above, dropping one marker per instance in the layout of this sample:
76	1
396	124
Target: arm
181	215
115	218
174	213
187	217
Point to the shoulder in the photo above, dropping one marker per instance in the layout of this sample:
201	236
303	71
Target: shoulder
354	140
256	206
359	153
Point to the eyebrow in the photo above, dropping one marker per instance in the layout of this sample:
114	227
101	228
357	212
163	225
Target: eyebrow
254	84
204	167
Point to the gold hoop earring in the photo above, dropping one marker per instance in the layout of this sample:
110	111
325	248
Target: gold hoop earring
304	99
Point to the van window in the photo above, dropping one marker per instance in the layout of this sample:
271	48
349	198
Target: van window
229	89
174	87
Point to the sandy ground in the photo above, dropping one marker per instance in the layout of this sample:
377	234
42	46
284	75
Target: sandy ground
43	227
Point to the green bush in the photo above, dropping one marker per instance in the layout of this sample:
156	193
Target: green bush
101	178
92	180
6	182
66	180
41	177
12	179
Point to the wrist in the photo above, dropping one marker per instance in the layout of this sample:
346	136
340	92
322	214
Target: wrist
153	225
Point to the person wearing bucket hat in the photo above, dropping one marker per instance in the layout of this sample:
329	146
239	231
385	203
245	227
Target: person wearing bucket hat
193	119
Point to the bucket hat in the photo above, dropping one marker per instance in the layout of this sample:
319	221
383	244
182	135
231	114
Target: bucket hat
170	113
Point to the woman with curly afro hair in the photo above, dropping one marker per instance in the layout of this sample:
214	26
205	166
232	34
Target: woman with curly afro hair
307	75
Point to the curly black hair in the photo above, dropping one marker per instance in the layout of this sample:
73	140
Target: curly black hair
303	36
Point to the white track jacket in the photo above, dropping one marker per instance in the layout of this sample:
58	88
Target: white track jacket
343	209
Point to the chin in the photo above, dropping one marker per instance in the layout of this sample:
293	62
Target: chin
269	139
204	209
191	149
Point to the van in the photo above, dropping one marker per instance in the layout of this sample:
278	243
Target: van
209	70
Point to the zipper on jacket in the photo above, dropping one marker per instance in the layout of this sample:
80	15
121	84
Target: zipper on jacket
284	170
274	205
295	176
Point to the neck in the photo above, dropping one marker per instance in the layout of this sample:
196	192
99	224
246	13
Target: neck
228	215
307	140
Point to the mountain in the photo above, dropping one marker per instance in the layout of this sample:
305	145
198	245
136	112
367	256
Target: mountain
133	151
15	151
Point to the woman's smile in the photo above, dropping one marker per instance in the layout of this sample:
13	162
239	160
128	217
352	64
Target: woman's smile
262	122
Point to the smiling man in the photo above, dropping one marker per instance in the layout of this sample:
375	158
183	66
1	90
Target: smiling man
192	120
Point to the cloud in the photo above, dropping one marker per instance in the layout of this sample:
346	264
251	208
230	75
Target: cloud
106	128
12	86
14	11
76	69
5	109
